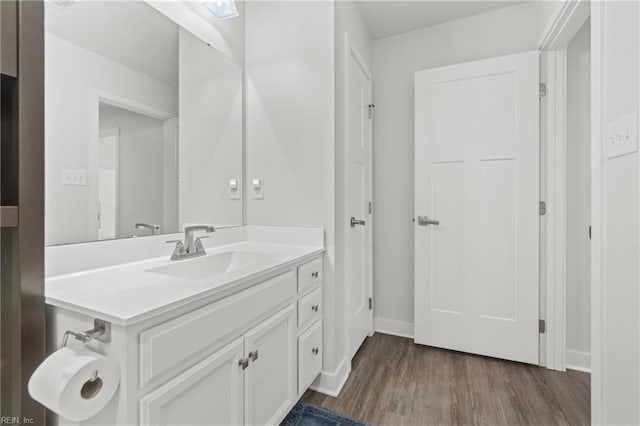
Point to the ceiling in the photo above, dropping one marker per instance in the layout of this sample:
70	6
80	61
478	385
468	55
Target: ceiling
385	18
131	33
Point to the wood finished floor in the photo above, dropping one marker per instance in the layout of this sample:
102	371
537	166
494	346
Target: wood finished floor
395	382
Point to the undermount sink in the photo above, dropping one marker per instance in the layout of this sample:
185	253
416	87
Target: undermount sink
214	264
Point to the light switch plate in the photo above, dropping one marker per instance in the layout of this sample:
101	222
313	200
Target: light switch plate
74	177
234	189
257	189
622	136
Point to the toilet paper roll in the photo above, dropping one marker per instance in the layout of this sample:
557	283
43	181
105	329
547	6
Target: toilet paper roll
75	383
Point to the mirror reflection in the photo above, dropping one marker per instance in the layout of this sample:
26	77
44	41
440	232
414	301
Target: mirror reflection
143	125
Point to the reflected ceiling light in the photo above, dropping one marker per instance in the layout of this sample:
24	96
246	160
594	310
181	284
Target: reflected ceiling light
223	9
62	4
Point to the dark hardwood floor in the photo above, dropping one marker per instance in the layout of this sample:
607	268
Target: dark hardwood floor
395	382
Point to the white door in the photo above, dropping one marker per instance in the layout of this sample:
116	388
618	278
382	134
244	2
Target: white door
270	378
211	393
359	241
108	152
477	173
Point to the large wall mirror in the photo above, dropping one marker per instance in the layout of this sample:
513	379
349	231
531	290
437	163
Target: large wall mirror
143	125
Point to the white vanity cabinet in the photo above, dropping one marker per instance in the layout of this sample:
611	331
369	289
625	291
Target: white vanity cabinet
244	358
250	381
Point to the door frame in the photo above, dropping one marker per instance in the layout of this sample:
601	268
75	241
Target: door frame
553	44
97	96
351	50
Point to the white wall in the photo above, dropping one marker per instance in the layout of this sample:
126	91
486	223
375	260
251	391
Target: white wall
72	76
210	132
578	204
290	128
395	60
140	168
621	222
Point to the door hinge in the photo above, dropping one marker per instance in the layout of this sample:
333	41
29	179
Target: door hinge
542	209
370	303
371	108
542	92
370	207
542	326
589	231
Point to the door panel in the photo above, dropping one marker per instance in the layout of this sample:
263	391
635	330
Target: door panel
271	377
477	172
359	193
211	393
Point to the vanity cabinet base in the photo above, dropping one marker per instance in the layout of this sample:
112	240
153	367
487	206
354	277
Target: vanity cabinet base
239	360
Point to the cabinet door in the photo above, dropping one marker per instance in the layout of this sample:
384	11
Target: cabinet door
271	377
210	393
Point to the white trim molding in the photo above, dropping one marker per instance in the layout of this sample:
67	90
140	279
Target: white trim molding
559	32
598	260
393	327
579	361
331	383
553	232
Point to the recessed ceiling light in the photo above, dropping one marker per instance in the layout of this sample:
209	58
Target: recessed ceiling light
223	9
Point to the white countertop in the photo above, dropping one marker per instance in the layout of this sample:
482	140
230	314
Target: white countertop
128	293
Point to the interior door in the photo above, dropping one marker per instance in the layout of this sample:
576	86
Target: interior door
108	184
359	246
476	207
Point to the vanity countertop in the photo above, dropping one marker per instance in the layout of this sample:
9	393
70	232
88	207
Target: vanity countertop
129	293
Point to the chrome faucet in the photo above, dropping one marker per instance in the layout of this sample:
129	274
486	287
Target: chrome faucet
191	247
155	229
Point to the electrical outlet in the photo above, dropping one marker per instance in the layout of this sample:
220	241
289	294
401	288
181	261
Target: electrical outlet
622	136
74	177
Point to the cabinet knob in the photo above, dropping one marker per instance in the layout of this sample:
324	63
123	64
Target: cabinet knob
253	355
315	308
315	274
315	350
243	363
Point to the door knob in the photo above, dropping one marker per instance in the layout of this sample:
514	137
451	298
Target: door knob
355	222
424	220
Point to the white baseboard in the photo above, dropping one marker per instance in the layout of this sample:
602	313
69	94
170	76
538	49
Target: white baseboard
580	361
331	383
393	327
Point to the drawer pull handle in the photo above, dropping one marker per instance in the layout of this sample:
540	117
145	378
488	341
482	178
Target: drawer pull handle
253	355
244	363
315	351
315	308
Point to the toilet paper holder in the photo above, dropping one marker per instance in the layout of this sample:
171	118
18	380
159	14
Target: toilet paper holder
101	332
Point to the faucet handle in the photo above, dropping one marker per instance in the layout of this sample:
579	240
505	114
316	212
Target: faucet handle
178	251
199	245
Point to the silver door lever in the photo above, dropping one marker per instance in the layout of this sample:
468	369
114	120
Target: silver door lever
424	220
355	222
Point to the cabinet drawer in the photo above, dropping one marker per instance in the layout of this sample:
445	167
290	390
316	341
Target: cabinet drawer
309	356
309	275
310	307
181	342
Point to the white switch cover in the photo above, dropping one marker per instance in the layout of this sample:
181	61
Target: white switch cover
257	189
234	189
622	136
74	177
